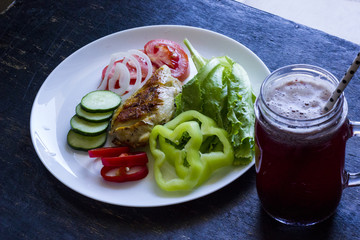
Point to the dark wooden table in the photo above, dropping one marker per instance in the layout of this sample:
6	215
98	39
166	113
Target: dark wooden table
35	36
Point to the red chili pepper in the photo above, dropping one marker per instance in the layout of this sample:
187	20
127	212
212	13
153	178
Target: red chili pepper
126	160
125	174
108	151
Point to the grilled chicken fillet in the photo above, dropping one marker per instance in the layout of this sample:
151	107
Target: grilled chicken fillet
151	105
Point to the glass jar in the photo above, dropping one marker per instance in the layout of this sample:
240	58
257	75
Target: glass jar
300	162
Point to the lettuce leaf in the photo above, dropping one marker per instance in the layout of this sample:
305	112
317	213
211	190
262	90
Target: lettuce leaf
222	91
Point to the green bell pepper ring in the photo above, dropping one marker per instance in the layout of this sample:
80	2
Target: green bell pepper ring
188	176
178	145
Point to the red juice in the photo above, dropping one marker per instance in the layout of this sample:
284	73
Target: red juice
300	182
300	148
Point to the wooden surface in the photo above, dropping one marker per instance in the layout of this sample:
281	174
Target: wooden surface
35	36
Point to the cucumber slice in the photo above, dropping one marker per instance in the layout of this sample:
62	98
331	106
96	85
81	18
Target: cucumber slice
88	128
93	117
100	101
81	142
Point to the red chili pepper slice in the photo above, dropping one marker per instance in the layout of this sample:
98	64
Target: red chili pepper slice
125	174
108	151
126	160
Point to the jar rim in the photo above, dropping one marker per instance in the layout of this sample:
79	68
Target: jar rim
302	68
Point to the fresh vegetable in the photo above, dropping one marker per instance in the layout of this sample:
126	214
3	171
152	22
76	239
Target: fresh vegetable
87	134
124	174
88	128
100	101
92	117
81	142
131	68
222	91
125	160
184	158
121	165
108	151
165	52
128	74
129	71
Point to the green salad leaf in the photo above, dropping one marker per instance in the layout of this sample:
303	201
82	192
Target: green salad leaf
222	91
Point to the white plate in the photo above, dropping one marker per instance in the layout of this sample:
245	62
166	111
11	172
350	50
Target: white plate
79	74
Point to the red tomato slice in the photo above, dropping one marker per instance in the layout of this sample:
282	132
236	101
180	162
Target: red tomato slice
162	51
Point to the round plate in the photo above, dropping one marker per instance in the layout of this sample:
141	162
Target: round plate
80	73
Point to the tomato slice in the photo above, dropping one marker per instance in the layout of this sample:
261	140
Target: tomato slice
163	51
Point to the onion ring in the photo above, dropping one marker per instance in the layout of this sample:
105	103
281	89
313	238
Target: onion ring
148	63
122	74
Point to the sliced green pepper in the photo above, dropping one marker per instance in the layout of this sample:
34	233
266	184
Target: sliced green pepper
180	144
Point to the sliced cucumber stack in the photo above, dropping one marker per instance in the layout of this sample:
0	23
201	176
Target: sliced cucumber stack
89	125
88	128
100	101
92	117
81	142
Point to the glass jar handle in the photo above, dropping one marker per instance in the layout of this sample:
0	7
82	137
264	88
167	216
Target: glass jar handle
354	178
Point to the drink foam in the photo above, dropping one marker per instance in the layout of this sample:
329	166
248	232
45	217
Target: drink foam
298	97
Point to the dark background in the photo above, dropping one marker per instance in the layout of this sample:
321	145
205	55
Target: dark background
35	36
